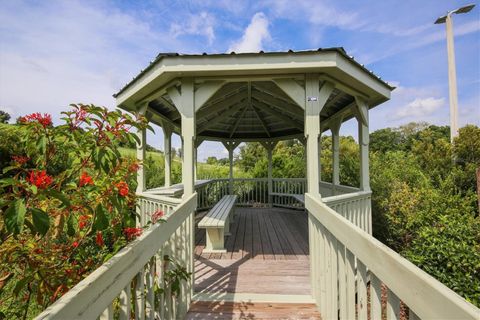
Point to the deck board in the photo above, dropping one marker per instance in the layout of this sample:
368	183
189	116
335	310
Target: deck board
267	253
248	310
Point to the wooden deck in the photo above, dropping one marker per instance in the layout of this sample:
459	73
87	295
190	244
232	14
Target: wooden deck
247	310
267	255
262	233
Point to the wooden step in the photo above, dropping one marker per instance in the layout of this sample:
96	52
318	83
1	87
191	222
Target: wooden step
252	310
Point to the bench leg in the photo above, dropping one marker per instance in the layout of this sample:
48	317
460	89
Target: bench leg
215	241
227	227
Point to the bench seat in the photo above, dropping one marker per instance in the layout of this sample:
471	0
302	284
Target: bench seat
217	224
299	197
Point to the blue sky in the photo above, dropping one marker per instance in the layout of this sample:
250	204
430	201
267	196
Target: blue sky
53	53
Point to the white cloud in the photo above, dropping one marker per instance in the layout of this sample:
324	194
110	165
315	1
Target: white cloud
420	107
254	35
316	12
58	52
200	24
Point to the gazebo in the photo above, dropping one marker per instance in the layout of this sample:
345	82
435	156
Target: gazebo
276	262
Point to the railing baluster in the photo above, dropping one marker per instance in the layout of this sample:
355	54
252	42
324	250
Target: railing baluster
342	281
362	291
140	295
125	303
412	315
350	274
150	301
375	297
393	306
108	313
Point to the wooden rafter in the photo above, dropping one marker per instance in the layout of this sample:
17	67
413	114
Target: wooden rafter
285	119
225	93
264	125
232	131
265	98
231	111
224	104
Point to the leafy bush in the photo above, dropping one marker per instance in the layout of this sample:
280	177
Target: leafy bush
67	204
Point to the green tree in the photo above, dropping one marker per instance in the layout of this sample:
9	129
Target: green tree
4	117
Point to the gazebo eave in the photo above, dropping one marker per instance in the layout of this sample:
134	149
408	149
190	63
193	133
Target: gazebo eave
332	65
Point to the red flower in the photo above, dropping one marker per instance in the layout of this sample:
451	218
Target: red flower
133	167
132	233
122	187
40	179
75	244
38	251
85	179
157	215
82	221
99	239
45	120
20	159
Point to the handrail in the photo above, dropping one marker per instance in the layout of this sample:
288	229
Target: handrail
424	295
346	196
89	298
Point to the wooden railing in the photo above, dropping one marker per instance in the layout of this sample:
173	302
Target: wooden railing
149	203
352	272
124	287
209	194
288	186
356	207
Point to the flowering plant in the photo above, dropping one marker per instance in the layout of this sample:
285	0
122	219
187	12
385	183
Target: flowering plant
67	204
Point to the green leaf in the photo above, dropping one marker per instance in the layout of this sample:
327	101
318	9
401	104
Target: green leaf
7	182
20	285
9	168
101	220
71	225
42	144
34	189
41	220
60	196
15	216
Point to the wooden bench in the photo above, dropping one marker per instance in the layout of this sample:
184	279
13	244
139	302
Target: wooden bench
299	197
217	224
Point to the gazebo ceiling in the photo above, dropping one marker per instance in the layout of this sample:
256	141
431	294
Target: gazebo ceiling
248	102
249	110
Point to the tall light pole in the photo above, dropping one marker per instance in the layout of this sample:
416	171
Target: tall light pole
452	73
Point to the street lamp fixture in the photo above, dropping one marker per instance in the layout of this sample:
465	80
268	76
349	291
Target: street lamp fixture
452	73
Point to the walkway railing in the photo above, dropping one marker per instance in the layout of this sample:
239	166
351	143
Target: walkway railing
352	272
350	202
126	286
356	207
149	203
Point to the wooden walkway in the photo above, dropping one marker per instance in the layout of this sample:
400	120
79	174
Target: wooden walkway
262	233
247	310
267	255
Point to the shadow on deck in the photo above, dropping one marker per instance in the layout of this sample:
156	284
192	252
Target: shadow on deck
266	262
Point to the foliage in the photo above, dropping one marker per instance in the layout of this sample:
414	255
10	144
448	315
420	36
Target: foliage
424	203
67	199
4	116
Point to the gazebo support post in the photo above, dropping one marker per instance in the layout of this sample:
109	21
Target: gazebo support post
230	146
315	100
363	139
269	146
335	128
141	151
198	142
185	103
167	146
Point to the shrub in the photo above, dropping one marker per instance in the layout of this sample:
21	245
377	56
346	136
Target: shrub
67	198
